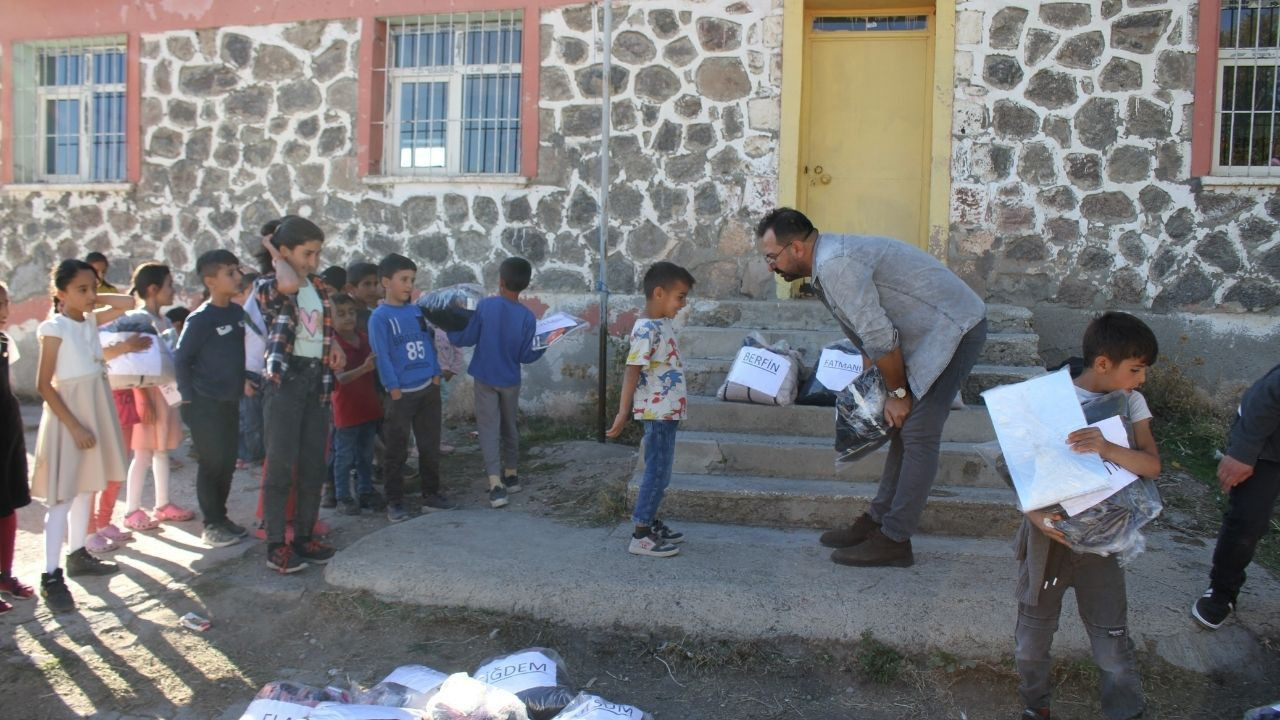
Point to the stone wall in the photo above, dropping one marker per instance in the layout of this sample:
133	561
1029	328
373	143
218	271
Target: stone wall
1071	164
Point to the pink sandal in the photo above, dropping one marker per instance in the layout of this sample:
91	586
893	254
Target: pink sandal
115	534
96	543
140	521
173	513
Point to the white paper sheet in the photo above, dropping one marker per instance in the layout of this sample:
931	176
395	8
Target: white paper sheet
1032	420
553	328
838	368
1113	430
759	369
171	394
149	362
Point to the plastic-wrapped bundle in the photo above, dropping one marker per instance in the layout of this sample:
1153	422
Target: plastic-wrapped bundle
408	686
297	693
450	308
463	698
535	675
592	707
134	321
786	394
813	391
1112	527
267	709
338	711
860	424
146	368
1267	712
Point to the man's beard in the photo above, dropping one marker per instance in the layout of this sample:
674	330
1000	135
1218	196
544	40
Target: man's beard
787	276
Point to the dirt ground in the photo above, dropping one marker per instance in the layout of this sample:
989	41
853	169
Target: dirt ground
122	654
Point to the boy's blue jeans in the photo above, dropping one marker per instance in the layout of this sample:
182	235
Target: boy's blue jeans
250	447
353	448
659	456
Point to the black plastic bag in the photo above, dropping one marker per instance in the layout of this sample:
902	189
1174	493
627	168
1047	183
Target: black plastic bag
815	393
860	425
1112	527
535	675
451	308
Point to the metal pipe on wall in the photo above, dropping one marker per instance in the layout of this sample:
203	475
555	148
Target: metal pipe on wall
606	95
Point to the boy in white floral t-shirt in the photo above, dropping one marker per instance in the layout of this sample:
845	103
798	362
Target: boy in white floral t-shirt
653	392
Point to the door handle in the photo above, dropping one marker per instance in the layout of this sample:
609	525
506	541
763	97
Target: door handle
826	180
817	169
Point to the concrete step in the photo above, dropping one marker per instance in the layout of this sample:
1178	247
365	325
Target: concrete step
808	314
704	376
777	502
707	414
713	342
804	458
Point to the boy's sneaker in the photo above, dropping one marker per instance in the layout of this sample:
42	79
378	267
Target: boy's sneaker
239	530
1212	609
282	559
80	564
436	501
652	546
55	593
373	500
512	484
11	586
313	551
497	497
350	506
218	536
667	534
396	512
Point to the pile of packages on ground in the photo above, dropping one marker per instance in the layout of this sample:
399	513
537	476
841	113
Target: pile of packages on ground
841	378
532	684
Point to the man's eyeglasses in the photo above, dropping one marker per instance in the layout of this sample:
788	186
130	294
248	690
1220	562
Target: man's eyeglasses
772	258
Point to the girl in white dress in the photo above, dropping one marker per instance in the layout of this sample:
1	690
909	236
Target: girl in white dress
78	446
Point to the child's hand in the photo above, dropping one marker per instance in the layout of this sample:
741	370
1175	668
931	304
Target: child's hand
1088	440
396	394
368	363
84	439
270	248
1232	472
1043	521
337	358
137	343
619	423
249	389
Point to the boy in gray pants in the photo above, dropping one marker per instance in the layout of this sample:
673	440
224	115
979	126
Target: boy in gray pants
502	333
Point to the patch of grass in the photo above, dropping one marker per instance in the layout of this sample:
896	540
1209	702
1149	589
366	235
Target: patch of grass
877	661
611	503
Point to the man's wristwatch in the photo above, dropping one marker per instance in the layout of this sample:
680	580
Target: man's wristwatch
898	394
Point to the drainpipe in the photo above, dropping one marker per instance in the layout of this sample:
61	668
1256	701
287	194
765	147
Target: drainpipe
606	88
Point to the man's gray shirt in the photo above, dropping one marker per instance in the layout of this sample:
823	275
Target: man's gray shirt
886	293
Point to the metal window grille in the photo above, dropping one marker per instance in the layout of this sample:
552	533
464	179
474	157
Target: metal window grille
867	23
453	94
1247	120
69	111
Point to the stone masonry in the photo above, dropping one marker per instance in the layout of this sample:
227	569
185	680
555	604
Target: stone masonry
1071	160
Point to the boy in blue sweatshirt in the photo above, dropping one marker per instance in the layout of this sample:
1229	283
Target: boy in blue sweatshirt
502	332
404	350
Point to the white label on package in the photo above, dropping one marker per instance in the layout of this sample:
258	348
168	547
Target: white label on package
519	672
760	370
147	362
171	394
340	711
837	368
1032	420
417	677
1113	430
597	708
275	710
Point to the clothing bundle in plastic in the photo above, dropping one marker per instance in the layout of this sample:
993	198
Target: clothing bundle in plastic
450	308
837	365
408	686
146	368
1112	527
763	374
553	327
535	675
464	698
860	424
592	707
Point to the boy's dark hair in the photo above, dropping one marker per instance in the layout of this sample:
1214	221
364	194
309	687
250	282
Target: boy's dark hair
663	275
211	262
394	263
360	270
337	299
177	315
1118	337
515	273
94	257
335	276
787	224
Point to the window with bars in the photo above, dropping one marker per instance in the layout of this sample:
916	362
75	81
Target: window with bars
453	94
1248	116
69	111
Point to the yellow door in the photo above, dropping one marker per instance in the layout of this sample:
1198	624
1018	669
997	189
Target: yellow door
866	119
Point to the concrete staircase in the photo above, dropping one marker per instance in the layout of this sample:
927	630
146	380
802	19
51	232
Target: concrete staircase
775	466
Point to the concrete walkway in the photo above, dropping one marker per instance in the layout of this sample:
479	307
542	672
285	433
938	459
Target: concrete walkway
743	582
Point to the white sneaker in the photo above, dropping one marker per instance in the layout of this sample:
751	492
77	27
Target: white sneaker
651	545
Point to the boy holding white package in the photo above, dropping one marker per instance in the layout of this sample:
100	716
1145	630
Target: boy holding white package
1118	349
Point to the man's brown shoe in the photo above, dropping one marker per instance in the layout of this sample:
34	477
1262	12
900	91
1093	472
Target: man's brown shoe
876	551
850	536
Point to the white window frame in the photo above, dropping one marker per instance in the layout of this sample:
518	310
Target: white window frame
84	92
454	75
1235	57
